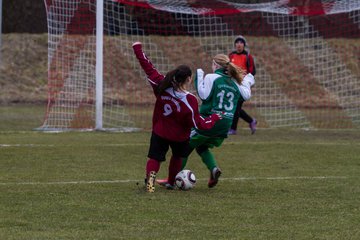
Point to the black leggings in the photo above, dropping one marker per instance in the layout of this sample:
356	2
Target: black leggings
240	113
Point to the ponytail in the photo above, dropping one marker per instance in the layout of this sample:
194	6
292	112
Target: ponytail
236	72
233	70
175	79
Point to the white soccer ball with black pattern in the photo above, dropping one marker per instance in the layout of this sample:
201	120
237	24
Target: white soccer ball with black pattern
185	180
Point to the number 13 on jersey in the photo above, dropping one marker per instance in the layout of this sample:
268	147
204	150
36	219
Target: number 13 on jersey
230	100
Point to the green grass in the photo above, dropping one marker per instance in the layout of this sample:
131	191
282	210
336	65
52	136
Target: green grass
21	116
276	184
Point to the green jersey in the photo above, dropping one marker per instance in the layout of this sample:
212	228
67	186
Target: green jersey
219	94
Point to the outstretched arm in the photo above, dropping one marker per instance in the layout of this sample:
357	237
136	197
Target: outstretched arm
203	84
154	77
245	87
198	121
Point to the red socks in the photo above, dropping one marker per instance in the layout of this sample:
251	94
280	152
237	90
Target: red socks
152	165
174	168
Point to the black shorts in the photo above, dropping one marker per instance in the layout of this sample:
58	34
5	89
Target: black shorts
159	147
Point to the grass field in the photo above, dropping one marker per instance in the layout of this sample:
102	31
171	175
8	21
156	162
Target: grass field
276	184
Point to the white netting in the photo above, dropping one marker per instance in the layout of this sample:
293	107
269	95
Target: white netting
306	57
322	61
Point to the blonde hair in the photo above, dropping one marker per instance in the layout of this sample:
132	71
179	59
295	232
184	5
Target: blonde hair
233	70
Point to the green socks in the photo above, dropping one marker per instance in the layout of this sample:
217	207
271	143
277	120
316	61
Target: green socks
208	158
184	161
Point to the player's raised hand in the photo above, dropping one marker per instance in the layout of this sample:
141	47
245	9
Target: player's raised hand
136	43
199	71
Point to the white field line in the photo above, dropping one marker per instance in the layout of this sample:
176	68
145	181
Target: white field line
26	145
69	145
201	179
146	144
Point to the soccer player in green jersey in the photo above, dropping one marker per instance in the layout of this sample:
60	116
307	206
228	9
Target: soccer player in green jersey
219	92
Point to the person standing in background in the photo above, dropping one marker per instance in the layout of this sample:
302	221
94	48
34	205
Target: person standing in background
245	61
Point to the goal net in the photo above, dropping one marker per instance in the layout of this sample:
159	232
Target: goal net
306	55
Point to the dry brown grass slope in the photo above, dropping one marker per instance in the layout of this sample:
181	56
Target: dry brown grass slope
23	70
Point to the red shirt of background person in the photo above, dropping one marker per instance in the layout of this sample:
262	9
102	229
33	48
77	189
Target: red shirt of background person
245	61
176	112
242	58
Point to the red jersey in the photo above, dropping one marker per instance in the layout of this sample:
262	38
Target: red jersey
175	112
244	60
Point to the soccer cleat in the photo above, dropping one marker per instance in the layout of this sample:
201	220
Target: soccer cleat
168	186
162	182
214	177
252	126
232	132
150	184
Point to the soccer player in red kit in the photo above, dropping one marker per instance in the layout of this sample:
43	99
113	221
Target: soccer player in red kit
176	111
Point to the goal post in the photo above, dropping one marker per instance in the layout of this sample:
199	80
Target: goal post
99	64
306	56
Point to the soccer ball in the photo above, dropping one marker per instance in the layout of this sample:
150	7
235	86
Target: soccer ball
185	180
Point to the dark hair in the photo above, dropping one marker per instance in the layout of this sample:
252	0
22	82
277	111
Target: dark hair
175	79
